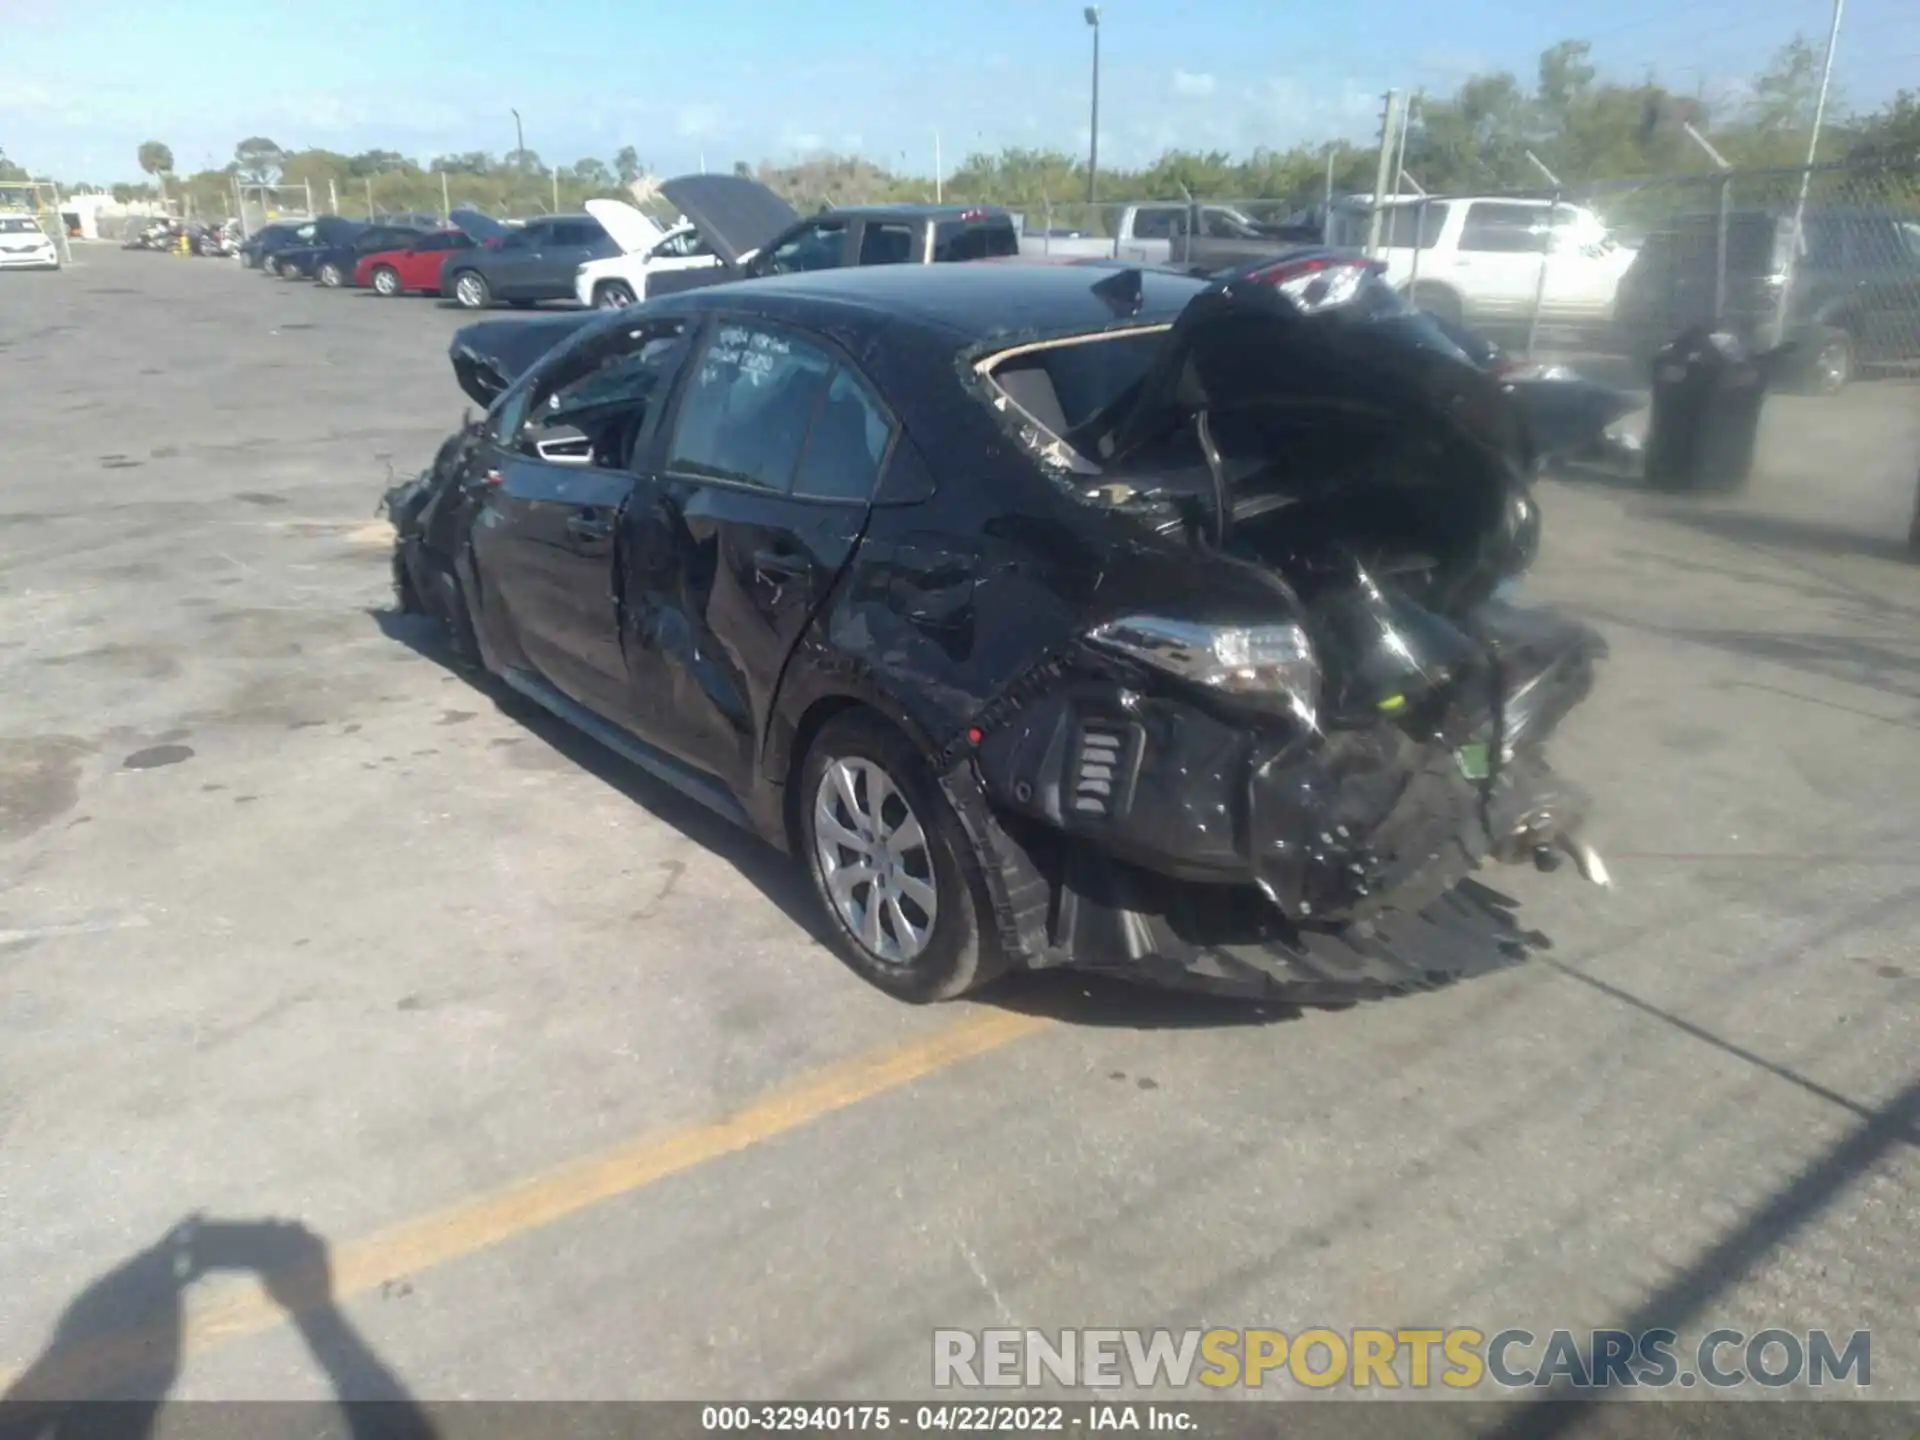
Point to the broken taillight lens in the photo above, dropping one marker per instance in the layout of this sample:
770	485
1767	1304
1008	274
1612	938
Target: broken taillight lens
1273	667
1318	282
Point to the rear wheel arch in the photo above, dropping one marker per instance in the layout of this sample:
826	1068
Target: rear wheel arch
788	743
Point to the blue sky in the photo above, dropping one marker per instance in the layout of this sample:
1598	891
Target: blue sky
87	80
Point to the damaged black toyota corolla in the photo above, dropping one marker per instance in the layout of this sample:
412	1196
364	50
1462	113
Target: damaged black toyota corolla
1050	616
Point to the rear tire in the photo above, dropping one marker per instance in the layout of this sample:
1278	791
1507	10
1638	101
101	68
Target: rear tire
612	295
471	291
1829	367
331	276
919	926
386	281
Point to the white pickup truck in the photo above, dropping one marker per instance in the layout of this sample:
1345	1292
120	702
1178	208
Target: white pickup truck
1143	233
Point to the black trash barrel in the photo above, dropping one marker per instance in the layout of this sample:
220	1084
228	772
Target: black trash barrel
1708	388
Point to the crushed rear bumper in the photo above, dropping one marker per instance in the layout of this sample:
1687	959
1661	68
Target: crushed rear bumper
1146	836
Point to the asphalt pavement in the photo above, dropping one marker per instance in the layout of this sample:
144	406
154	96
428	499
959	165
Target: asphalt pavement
296	924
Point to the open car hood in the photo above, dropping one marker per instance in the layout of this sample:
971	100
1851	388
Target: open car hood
489	356
1241	345
631	230
481	228
735	215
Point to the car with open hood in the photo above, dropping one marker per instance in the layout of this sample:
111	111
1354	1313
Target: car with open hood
522	264
751	233
1049	615
646	250
414	266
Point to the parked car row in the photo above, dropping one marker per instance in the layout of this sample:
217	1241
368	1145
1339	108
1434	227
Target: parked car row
615	255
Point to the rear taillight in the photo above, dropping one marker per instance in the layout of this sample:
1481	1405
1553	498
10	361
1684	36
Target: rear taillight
1317	282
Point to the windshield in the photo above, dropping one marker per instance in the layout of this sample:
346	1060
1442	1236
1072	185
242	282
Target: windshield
17	224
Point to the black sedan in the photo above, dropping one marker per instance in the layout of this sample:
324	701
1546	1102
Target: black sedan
338	247
1051	615
269	240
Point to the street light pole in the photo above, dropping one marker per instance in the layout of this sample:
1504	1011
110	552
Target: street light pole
519	140
1092	13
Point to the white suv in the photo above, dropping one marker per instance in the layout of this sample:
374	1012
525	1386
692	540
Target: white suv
1476	261
25	246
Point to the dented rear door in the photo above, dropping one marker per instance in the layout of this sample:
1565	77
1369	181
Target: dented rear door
761	497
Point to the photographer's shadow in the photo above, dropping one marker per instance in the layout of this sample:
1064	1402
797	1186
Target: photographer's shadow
117	1349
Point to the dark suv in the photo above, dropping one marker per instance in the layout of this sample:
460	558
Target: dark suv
522	264
757	234
1854	298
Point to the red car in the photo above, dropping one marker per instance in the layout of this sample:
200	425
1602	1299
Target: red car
394	272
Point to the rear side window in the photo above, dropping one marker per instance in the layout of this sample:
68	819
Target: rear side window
974	240
574	232
888	244
1500	229
748	406
847	445
1409	227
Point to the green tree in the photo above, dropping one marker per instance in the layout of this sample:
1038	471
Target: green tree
259	160
593	174
626	165
1892	132
9	170
156	159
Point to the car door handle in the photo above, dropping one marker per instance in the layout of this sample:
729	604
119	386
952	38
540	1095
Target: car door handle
589	527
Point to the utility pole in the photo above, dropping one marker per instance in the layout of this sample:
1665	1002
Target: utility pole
1388	123
446	205
1806	175
369	180
939	191
1092	13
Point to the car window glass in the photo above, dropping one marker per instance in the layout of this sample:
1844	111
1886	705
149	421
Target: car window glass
686	245
817	247
954	242
593	410
846	445
888	244
1416	226
1154	223
1505	229
748	406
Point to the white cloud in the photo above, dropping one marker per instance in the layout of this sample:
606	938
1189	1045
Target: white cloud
1192	85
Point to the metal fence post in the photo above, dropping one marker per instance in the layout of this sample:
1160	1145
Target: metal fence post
1724	188
1419	241
307	185
446	206
1540	285
333	198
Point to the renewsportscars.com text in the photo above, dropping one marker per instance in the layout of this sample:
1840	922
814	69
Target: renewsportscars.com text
1460	1358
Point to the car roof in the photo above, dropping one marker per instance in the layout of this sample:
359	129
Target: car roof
911	210
970	304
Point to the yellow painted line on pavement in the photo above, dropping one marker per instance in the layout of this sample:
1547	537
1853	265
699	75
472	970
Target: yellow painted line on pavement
470	1226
